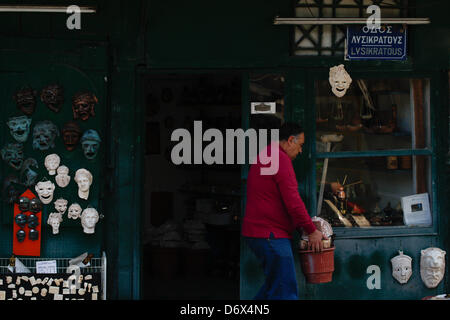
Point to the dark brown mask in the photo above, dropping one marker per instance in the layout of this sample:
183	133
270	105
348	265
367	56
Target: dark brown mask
83	105
71	134
53	97
26	100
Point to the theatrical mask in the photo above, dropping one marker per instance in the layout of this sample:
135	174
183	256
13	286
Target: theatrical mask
90	143
401	267
33	221
51	163
21	234
62	178
24	204
19	128
54	220
21	220
35	205
45	191
74	211
26	100
84	180
28	173
89	219
10	192
339	80
71	134
61	205
53	97
432	266
83	105
12	154
44	135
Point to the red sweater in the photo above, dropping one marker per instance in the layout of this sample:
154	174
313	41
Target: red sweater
273	202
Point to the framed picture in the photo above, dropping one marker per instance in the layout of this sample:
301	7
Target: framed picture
416	210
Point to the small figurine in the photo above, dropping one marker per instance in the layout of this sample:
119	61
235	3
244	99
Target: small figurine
54	220
12	154
89	219
26	100
53	97
90	141
83	105
432	266
62	178
401	267
74	211
339	80
45	191
51	163
71	134
84	180
19	128
44	135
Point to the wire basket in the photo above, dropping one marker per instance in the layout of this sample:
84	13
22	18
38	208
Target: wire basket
97	265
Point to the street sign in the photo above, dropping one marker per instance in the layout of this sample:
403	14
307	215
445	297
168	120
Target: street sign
385	43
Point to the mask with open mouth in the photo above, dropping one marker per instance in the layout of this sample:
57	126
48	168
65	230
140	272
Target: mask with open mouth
53	97
83	104
12	154
90	141
339	80
45	191
19	128
26	100
44	135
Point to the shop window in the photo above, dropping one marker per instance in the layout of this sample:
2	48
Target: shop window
318	40
375	143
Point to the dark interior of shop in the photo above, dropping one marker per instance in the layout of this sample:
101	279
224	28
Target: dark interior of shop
191	211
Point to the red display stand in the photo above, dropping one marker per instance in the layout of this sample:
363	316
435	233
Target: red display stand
27	247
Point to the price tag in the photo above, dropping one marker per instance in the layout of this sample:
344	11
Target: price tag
46	266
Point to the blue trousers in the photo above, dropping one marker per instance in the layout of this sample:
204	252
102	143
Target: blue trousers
275	256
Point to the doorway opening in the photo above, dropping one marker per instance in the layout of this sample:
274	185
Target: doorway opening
191	234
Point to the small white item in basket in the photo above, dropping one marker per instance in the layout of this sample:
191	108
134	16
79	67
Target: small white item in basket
3	295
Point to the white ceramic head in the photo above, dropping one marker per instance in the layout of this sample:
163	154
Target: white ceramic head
52	162
89	219
84	180
401	267
61	205
45	191
74	211
62	177
432	266
339	80
54	220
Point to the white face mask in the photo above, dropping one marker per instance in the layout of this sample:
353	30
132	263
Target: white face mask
62	178
74	211
401	267
61	205
84	180
45	191
339	80
432	266
54	220
52	162
89	219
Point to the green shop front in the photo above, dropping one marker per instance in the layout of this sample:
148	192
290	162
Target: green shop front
172	231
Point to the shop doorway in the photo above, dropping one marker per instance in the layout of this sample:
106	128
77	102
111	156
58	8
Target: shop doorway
191	212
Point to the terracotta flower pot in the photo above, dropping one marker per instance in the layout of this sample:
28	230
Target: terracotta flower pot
317	267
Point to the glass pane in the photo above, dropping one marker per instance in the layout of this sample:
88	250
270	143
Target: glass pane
372	189
375	114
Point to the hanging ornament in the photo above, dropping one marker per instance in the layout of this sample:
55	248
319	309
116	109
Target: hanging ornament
71	134
19	128
74	211
12	154
51	163
83	105
339	80
54	220
26	100
61	205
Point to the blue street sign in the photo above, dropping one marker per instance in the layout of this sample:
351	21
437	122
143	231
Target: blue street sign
386	43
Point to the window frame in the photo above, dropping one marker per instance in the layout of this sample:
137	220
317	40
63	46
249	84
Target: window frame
431	151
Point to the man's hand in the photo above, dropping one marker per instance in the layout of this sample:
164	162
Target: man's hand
315	241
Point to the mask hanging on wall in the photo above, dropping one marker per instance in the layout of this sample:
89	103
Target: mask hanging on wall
19	128
35	205
83	105
51	163
28	173
44	135
53	97
26	100
71	134
61	205
401	267
90	141
54	220
12	154
10	191
339	80
45	191
89	219
84	180
62	178
432	266
74	211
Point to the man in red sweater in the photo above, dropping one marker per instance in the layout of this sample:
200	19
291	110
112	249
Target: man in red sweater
273	211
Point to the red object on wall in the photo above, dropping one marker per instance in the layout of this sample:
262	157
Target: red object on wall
27	247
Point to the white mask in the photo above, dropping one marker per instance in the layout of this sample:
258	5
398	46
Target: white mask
432	266
52	162
74	211
401	267
55	219
84	180
62	178
61	205
89	219
339	80
45	191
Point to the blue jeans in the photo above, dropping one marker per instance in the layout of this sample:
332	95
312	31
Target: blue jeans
275	256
